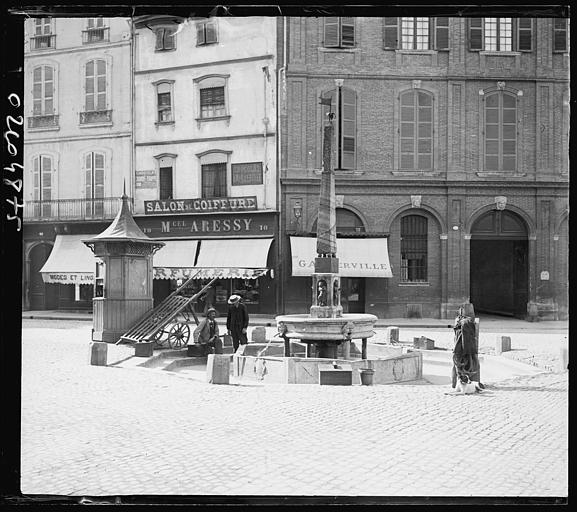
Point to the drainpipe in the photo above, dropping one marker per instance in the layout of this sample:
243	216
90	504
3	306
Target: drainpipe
265	120
132	172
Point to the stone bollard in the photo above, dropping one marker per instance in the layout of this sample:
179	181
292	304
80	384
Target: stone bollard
258	334
503	344
98	353
424	343
392	335
218	369
563	359
144	349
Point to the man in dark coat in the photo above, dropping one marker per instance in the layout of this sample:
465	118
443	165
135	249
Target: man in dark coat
237	321
465	358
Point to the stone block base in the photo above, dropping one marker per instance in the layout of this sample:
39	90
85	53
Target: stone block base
392	334
98	353
424	343
502	344
145	349
258	334
335	376
218	369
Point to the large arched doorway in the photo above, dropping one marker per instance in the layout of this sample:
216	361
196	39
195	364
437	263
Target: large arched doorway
42	296
499	264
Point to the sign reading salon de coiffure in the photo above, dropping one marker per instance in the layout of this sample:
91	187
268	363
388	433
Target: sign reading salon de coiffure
203	205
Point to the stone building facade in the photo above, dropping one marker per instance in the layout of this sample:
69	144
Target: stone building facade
451	146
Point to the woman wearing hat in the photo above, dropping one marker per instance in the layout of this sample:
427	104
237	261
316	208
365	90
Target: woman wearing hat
206	333
237	321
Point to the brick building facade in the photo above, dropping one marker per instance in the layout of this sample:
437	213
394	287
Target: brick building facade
452	145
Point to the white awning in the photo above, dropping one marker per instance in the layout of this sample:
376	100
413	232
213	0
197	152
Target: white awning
244	258
358	257
175	260
70	261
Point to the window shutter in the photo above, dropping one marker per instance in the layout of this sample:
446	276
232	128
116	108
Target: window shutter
37	179
98	175
442	33
169	39
200	34
391	36
475	34
348	32
211	32
525	34
88	175
348	128
159	39
560	35
331	32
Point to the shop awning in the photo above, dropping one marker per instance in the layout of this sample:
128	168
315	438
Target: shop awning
70	261
243	258
175	260
358	257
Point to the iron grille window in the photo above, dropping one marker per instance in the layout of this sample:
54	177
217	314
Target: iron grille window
212	102
416	130
214	180
165	183
247	174
416	33
165	39
414	248
500	131
206	33
339	32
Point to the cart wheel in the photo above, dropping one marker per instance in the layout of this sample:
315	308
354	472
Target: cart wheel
161	337
178	335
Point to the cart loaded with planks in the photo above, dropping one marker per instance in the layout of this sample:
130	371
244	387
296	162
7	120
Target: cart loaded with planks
167	323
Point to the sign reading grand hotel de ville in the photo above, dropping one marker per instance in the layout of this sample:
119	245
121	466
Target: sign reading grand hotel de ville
204	205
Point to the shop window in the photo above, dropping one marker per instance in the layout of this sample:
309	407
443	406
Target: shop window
416	130
247	174
414	248
501	131
165	39
560	32
501	34
405	33
339	32
345	123
248	289
206	32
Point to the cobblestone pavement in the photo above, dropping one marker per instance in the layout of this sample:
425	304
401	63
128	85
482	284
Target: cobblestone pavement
93	431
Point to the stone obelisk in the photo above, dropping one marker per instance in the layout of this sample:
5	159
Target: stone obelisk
326	280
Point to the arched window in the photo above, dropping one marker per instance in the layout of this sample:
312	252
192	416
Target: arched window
414	248
416	130
94	171
42	179
212	96
500	131
214	172
345	123
95	85
347	222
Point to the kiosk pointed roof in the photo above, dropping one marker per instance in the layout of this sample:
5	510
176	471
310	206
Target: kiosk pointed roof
123	227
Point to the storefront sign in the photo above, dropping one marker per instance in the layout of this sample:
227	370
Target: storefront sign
145	179
63	278
200	226
224	204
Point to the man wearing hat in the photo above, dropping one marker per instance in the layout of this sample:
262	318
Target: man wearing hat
237	321
206	333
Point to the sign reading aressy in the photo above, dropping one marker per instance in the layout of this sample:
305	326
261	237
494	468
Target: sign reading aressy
204	205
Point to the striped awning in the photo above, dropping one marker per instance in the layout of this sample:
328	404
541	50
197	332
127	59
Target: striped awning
175	260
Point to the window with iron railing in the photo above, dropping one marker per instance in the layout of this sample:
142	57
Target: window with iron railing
43	94
96	31
96	93
414	248
43	38
42	184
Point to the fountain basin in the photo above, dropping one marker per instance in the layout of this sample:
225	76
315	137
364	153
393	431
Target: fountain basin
347	326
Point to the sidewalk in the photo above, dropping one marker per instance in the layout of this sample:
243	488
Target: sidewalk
489	323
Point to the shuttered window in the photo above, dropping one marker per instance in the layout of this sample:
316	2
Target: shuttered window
339	32
43	91
214	180
414	248
408	33
206	33
500	131
43	184
442	33
501	34
345	124
95	85
416	130
165	39
560	35
94	183
212	102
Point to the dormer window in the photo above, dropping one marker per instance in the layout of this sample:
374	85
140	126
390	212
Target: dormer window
96	31
43	37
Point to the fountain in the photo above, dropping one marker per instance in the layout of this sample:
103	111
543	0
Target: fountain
326	326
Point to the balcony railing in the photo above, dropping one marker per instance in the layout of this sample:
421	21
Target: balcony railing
48	121
43	42
96	117
73	209
95	35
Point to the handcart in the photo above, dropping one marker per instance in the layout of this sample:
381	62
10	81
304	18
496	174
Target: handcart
168	322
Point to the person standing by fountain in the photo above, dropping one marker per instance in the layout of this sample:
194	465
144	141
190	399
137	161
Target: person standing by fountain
237	321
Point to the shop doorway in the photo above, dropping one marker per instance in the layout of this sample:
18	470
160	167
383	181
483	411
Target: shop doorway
42	296
353	294
499	273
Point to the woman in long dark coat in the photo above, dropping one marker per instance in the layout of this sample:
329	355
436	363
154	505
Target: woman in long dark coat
237	321
465	358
